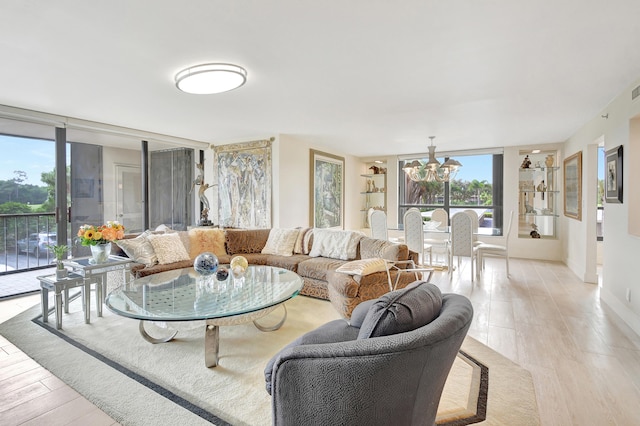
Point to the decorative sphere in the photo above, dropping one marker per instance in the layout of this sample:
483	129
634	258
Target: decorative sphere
239	261
222	274
206	263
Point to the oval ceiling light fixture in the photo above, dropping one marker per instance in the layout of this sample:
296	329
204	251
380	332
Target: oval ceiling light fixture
207	79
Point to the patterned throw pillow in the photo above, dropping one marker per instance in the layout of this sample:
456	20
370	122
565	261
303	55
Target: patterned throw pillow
281	241
139	249
363	266
168	248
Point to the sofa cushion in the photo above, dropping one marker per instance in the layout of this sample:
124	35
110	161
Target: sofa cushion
241	241
139	249
335	244
318	267
372	247
402	310
168	248
363	266
281	241
201	240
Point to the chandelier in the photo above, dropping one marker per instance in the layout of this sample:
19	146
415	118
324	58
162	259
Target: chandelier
432	170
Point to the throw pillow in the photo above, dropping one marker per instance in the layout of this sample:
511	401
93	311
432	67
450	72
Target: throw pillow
335	244
201	240
363	266
298	247
402	310
139	249
168	248
281	241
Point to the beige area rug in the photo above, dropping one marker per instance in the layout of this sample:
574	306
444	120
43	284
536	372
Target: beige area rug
138	383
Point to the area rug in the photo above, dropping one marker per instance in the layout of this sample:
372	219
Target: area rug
137	383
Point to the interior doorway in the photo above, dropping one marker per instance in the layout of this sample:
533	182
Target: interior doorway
129	197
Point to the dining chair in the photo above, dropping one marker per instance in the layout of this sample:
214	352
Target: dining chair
485	249
414	235
439	239
475	222
378	224
462	240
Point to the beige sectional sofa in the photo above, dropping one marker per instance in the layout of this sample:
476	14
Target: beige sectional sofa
351	276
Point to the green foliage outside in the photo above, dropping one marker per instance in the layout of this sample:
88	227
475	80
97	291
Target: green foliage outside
462	193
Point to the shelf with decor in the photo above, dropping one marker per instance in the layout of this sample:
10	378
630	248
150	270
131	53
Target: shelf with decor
374	193
538	194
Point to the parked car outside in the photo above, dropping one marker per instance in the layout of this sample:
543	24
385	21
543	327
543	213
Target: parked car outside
37	244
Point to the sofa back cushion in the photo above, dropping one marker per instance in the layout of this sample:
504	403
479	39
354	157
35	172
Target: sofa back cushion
244	241
281	241
402	310
372	248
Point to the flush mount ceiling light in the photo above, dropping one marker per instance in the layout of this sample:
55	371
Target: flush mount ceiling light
207	79
432	170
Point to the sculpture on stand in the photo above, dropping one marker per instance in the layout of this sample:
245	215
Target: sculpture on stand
199	180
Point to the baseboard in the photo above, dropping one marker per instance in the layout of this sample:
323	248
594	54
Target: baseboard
621	310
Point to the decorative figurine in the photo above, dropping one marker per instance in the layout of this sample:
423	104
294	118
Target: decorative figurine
526	163
534	232
549	160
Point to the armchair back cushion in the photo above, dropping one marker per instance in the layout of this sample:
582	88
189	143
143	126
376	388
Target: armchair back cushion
402	310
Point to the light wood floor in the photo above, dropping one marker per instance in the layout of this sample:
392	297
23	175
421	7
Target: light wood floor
585	362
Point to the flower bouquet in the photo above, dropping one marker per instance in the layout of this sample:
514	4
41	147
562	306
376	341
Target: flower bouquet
99	239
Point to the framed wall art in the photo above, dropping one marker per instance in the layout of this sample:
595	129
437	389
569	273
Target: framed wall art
613	180
573	186
243	171
327	190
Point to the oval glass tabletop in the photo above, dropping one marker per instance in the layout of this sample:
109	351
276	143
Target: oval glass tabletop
184	295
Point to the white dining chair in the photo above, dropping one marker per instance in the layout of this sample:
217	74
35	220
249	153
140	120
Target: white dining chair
378	224
475	222
485	249
462	240
439	239
414	234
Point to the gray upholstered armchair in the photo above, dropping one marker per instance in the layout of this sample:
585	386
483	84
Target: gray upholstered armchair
388	366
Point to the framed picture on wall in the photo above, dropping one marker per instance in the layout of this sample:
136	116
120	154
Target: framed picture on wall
613	179
327	190
573	186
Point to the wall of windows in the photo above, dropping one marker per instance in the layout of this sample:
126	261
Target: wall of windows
477	186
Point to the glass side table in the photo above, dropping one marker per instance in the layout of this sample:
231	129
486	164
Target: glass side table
97	272
61	287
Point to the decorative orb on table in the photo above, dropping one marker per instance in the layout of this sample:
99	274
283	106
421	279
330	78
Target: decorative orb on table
222	274
238	266
206	263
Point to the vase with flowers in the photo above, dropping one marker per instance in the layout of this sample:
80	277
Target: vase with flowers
99	238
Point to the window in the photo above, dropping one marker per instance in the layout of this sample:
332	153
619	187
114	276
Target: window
477	186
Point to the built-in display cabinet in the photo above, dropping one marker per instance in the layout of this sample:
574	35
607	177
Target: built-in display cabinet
539	192
374	194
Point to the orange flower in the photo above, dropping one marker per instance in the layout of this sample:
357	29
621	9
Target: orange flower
90	235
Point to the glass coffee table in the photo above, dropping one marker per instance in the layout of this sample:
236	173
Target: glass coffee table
184	295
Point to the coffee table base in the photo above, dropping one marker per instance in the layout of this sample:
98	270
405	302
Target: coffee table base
212	331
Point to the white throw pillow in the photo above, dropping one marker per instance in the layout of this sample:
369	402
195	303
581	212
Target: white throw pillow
363	266
168	248
139	249
281	241
335	244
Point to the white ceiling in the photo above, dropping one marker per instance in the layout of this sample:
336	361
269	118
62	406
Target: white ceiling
361	77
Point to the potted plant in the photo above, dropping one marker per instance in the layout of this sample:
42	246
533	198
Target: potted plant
60	252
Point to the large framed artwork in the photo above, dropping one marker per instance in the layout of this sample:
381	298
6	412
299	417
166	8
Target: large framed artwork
243	171
613	182
573	186
327	190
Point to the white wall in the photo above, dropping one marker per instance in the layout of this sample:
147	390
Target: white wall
620	266
291	183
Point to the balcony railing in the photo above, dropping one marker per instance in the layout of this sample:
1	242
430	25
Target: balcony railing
23	239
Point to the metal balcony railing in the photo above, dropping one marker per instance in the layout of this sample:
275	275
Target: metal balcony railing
23	241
